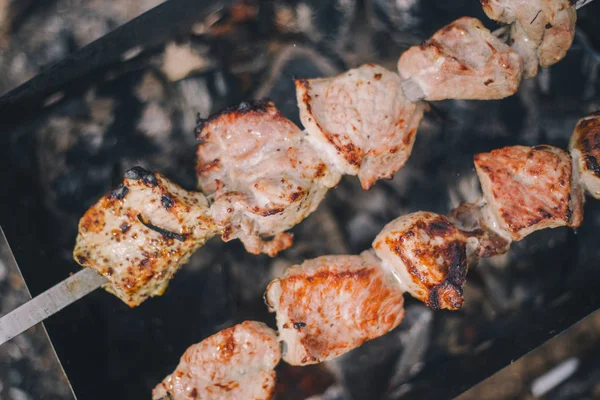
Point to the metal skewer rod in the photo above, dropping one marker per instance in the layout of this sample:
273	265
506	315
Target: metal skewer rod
49	302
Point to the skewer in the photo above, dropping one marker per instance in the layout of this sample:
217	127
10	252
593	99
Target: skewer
413	91
330	305
85	281
49	302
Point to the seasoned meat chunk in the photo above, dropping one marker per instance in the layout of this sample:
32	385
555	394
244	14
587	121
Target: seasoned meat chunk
585	149
542	30
237	363
527	189
139	234
558	38
428	255
261	174
360	120
330	305
463	60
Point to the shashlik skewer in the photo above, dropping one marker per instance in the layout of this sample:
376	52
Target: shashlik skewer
326	133
464	60
263	175
330	305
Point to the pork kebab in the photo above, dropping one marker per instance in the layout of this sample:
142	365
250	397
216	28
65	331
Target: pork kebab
330	305
263	175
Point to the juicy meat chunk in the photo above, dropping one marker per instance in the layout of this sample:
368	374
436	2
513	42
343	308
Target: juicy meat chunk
330	305
542	30
261	174
585	149
527	189
236	363
141	233
463	60
558	38
428	255
360	120
527	49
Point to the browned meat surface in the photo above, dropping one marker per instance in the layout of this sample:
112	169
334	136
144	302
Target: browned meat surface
360	120
542	30
463	60
237	363
330	305
141	233
527	189
428	255
585	149
261	174
558	38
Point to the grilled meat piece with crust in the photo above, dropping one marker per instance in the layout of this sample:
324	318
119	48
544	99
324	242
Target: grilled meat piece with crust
261	174
237	363
141	233
585	150
360	120
463	60
428	255
330	305
542	30
527	189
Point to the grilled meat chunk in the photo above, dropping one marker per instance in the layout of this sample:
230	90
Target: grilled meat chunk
261	174
139	234
463	60
558	38
237	363
542	30
360	120
330	305
527	189
585	150
428	255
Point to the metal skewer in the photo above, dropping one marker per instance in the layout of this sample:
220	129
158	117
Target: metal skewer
49	302
87	280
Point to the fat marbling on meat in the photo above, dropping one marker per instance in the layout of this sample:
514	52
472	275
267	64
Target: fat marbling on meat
463	60
360	120
141	233
585	150
261	174
236	363
527	189
330	305
428	255
542	30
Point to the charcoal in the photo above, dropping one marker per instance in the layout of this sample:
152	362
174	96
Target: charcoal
293	62
409	22
413	334
320	21
49	32
200	95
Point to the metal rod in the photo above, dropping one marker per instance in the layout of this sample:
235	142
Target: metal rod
49	302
